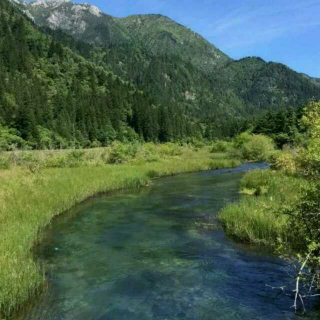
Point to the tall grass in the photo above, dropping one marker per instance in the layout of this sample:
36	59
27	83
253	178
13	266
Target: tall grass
29	199
259	218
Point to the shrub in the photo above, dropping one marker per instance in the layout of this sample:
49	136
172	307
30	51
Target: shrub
148	153
234	153
96	144
309	156
121	153
258	148
10	139
221	146
285	162
241	139
304	220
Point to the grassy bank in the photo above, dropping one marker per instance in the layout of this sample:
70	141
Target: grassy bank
259	216
33	191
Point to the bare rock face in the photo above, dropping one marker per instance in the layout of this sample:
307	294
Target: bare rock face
62	14
158	34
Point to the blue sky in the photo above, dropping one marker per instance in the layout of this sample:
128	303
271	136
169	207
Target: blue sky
286	31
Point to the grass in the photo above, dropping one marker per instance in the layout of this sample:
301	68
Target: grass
259	216
31	195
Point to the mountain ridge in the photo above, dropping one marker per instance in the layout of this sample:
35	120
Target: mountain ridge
177	67
88	23
131	21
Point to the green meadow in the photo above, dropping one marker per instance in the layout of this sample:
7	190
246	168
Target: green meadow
36	186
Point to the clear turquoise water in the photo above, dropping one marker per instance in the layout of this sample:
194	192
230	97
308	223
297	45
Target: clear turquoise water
139	255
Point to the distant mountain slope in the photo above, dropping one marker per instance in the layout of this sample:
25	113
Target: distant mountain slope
161	35
156	33
175	66
80	20
314	80
265	85
51	97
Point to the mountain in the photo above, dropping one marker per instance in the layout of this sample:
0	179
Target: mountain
145	40
314	80
156	33
179	75
51	97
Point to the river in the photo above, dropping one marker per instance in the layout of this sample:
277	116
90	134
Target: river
141	255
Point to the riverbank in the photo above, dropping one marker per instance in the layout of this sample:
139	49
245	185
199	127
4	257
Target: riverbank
33	192
259	218
139	254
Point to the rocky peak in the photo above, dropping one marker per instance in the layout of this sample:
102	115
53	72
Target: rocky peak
62	14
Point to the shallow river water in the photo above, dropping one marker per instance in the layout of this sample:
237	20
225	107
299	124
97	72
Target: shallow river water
140	255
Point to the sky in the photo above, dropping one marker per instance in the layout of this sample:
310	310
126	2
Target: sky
286	31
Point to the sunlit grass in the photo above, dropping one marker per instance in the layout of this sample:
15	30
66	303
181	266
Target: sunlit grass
30	197
259	216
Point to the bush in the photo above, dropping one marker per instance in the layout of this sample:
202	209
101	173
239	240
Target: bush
309	156
96	144
285	162
246	146
258	148
304	221
10	139
241	139
121	153
148	153
221	146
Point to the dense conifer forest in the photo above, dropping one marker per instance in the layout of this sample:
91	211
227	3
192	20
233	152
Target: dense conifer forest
57	91
52	97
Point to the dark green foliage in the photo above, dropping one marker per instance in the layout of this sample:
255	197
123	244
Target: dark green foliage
283	126
142	78
50	97
305	219
304	238
180	71
121	153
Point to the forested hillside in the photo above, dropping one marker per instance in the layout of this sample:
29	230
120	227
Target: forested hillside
74	76
52	97
176	64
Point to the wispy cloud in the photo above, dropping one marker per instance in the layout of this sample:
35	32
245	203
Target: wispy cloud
254	23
